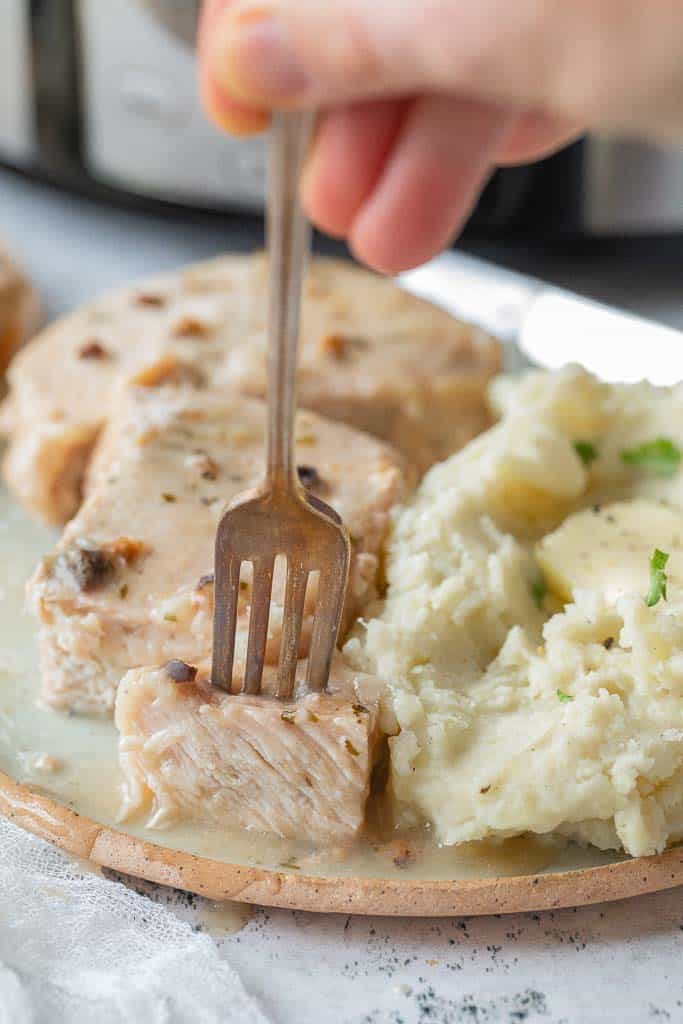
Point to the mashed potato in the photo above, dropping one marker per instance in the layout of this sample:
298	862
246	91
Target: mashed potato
533	688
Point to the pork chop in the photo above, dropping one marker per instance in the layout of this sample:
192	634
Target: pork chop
371	356
191	752
130	582
19	309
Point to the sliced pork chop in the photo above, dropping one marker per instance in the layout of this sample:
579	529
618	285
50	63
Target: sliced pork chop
191	752
130	582
19	308
371	356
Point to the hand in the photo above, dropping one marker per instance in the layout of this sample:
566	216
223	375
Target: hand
422	99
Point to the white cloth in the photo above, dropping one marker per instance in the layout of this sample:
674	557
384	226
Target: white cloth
76	948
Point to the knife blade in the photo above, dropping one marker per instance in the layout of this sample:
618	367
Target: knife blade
547	326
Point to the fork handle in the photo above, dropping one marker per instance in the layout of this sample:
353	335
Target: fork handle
289	243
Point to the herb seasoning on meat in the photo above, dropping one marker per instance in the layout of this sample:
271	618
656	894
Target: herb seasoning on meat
87	567
180	671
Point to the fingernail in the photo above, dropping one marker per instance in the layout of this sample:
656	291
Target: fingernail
254	58
228	114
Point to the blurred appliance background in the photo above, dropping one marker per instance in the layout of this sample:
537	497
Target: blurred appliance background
102	97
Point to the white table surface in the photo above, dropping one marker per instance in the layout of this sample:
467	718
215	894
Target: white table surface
617	962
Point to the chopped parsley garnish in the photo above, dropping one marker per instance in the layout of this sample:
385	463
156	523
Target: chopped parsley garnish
539	589
661	457
657	578
586	451
564	698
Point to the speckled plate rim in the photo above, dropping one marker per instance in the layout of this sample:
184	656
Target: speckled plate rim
217	880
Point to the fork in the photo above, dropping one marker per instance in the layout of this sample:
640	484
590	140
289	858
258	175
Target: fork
280	518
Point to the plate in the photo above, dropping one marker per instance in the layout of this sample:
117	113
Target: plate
218	880
73	801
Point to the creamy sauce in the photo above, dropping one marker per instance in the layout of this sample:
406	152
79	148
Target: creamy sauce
226	918
85	774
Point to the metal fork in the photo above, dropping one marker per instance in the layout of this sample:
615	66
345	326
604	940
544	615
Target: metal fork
280	518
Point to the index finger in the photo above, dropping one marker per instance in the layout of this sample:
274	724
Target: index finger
227	113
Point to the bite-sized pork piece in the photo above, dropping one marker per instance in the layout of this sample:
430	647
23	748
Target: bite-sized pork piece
370	355
131	583
19	309
191	751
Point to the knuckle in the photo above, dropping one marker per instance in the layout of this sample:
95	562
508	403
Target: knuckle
456	44
352	49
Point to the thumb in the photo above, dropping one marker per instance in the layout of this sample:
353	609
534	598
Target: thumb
289	53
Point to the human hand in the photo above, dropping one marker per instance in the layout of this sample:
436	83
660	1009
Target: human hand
422	99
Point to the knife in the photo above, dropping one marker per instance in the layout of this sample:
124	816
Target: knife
547	326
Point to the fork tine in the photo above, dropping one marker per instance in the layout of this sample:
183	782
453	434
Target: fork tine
226	595
295	593
258	625
326	626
